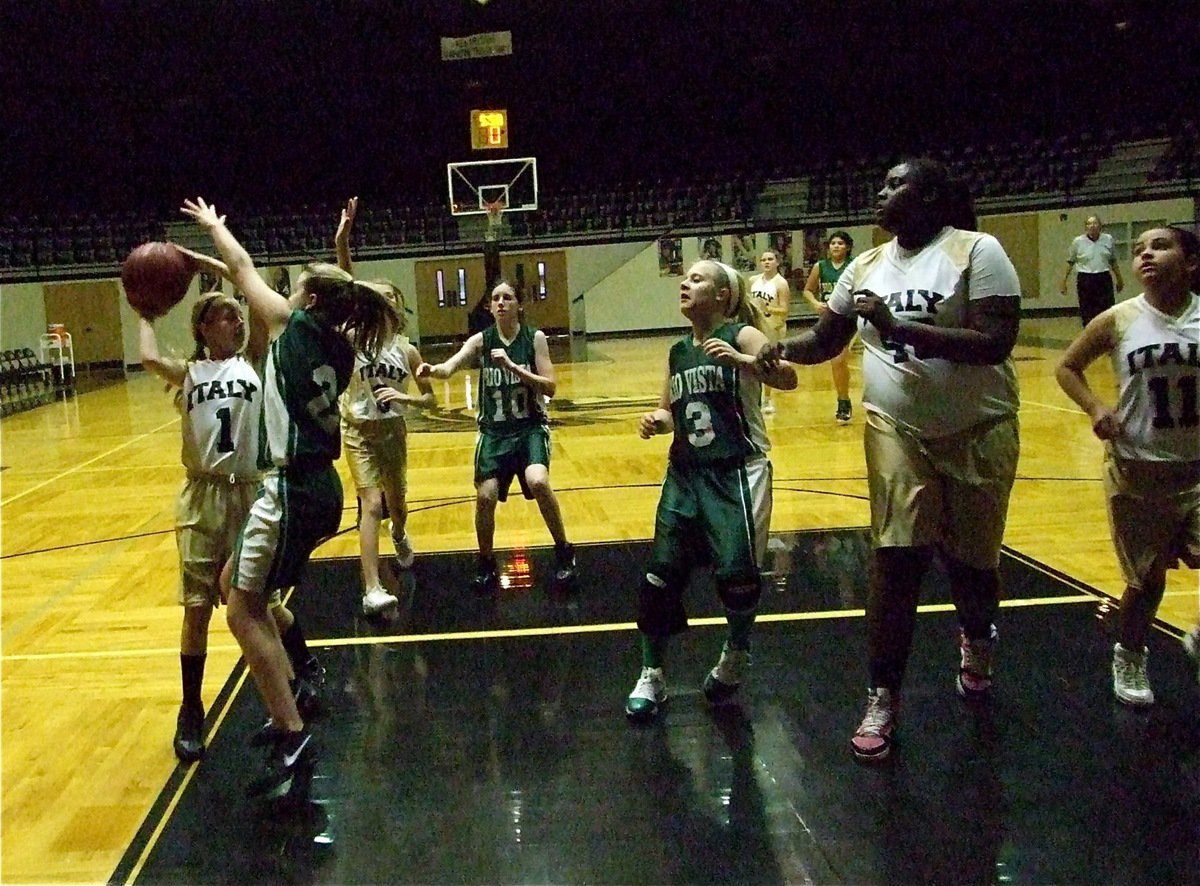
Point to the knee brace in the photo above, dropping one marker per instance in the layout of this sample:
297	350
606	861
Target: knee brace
741	594
660	607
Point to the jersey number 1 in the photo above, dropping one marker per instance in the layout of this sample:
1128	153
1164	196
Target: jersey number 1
1160	390
225	437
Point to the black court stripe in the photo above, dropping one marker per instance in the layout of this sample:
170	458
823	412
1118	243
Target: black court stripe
143	841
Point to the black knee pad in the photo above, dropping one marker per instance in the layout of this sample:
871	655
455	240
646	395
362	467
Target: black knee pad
660	607
741	594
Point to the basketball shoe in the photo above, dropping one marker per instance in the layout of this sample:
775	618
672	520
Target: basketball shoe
189	733
876	734
1131	683
974	681
405	555
376	599
288	767
487	576
564	563
1191	643
647	696
723	681
842	415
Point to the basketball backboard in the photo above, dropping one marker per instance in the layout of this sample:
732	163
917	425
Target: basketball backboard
475	183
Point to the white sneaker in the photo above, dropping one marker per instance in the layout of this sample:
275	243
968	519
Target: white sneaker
1131	684
1191	643
876	734
723	681
376	599
650	692
404	551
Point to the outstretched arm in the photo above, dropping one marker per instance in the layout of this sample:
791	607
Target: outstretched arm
468	353
750	342
825	340
269	304
342	238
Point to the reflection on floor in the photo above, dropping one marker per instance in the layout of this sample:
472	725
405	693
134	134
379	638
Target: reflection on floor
482	741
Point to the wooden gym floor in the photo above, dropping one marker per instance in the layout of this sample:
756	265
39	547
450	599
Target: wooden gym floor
495	749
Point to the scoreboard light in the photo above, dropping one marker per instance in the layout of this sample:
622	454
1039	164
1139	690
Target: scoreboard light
489	130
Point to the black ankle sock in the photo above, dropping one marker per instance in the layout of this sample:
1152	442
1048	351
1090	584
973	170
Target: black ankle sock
192	669
296	648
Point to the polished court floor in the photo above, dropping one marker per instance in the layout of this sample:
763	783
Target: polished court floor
473	740
481	740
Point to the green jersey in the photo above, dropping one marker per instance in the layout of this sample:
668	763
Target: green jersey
308	367
506	404
829	274
715	408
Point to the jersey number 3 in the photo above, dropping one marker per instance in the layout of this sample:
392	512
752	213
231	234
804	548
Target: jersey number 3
700	426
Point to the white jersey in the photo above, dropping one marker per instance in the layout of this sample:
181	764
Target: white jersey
390	370
1157	365
766	292
931	397
221	404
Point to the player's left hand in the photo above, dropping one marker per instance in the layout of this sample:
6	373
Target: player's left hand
722	352
500	358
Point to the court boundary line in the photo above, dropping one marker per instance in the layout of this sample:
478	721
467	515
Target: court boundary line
161	811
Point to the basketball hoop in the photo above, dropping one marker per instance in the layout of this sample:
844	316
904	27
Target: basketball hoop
494	210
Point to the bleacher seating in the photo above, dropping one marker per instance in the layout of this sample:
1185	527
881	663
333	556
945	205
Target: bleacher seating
25	382
1037	171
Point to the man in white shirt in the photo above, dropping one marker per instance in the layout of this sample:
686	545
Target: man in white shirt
1093	256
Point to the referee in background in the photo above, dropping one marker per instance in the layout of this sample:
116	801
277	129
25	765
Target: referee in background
1093	255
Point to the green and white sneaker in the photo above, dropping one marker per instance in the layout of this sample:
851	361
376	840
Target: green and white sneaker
647	696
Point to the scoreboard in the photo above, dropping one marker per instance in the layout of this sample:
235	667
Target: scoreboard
489	130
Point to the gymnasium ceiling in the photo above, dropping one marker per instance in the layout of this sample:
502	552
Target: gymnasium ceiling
114	104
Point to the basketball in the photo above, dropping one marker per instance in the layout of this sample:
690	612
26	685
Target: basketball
156	277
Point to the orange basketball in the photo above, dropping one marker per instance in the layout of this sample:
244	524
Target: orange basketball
156	277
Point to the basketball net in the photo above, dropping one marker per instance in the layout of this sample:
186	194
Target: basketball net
494	212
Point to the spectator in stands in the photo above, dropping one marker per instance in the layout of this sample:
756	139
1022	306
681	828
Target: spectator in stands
942	305
1095	254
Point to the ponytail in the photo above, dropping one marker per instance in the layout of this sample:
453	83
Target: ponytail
358	310
741	307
